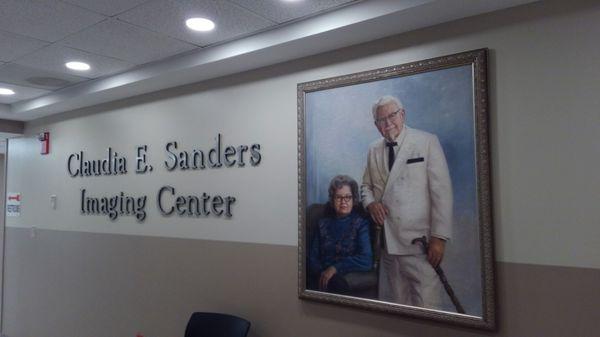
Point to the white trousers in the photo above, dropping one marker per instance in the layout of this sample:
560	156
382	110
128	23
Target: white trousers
410	280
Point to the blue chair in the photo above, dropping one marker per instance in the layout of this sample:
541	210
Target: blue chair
207	324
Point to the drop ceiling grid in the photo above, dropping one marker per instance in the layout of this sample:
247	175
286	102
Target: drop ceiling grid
38	36
107	7
167	17
109	45
47	20
124	41
14	46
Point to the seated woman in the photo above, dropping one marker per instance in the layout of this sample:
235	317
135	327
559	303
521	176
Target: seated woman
341	242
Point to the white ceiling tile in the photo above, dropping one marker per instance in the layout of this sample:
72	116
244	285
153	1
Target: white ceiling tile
21	93
169	17
282	11
48	20
14	45
107	7
54	57
37	78
127	42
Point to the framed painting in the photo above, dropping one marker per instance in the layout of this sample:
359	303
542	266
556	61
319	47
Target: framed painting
394	190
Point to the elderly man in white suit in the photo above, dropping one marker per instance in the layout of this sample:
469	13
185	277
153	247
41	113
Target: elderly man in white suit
406	188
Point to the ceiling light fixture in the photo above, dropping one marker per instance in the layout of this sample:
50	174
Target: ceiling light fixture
6	91
200	24
79	66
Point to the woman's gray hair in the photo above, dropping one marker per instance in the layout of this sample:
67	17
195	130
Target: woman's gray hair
340	181
383	101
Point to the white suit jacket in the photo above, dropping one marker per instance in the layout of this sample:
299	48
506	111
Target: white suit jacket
417	192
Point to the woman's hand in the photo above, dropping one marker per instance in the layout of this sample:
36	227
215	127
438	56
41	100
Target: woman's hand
326	275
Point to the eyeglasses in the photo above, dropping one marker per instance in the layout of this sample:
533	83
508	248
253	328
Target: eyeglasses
387	118
340	198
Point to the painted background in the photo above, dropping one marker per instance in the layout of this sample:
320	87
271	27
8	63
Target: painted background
339	129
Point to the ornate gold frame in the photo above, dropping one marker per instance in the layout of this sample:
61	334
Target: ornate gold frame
478	60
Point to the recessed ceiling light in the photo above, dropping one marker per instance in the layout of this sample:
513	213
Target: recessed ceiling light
6	91
200	24
79	66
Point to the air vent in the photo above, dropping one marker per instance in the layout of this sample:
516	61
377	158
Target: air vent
48	81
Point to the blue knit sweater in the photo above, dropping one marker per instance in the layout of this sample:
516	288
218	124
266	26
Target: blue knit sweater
341	242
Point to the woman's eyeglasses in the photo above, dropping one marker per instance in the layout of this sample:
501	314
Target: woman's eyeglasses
340	198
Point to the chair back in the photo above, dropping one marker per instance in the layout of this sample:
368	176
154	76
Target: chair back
208	324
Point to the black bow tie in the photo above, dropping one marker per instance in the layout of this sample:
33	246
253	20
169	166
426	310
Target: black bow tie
391	153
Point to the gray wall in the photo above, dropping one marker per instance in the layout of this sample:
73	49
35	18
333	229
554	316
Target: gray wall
2	226
70	275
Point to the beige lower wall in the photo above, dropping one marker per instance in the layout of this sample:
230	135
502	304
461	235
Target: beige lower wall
70	284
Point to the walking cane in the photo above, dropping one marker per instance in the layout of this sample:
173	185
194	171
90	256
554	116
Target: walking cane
423	241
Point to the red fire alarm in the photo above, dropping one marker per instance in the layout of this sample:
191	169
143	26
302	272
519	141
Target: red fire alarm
44	137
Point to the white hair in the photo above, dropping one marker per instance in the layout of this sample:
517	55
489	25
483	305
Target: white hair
383	101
